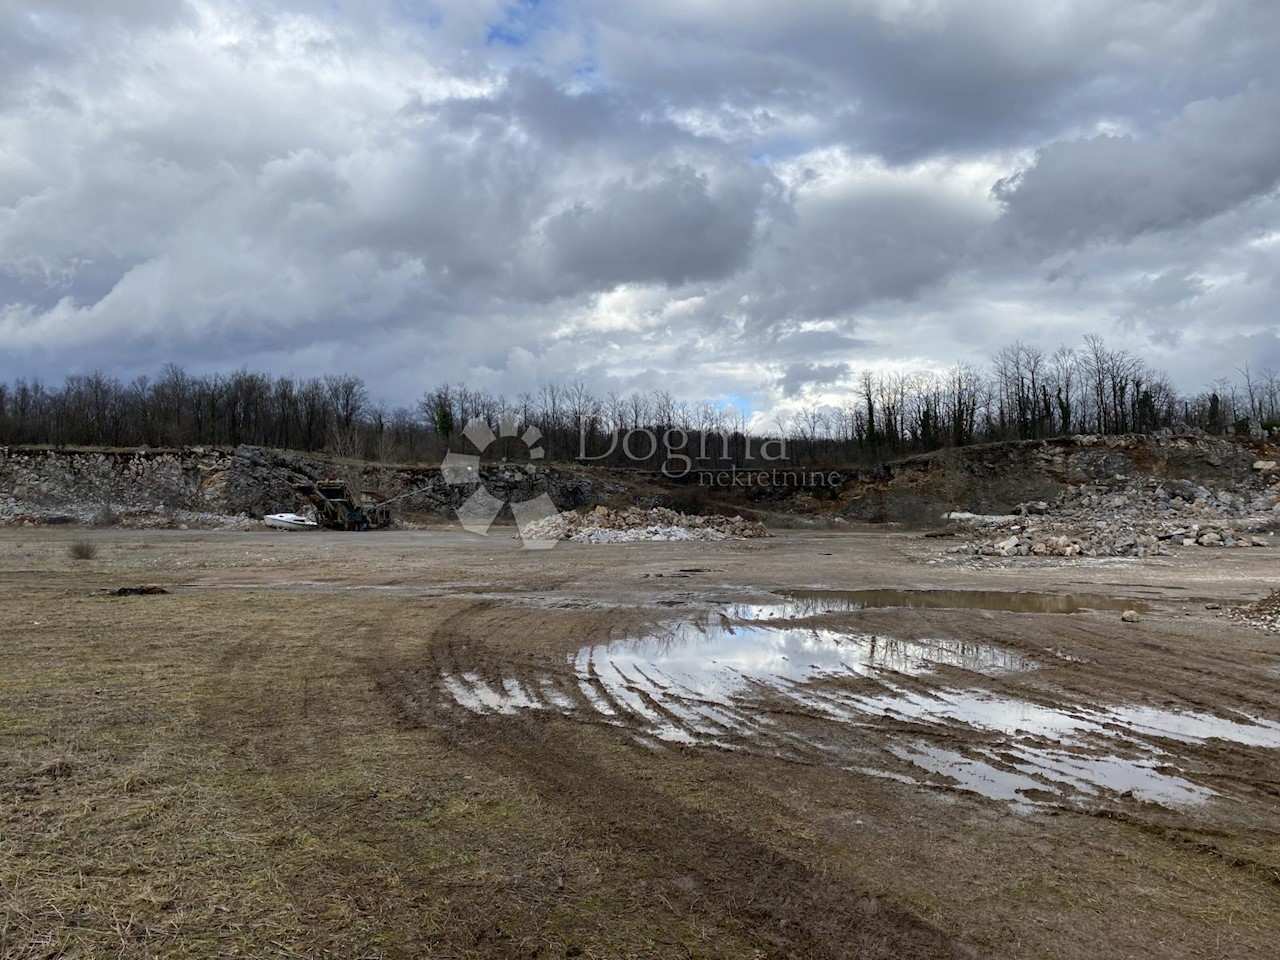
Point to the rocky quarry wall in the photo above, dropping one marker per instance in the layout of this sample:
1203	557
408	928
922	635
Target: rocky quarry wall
1076	496
232	488
1127	496
994	478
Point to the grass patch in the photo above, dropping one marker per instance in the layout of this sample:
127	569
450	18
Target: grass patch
83	550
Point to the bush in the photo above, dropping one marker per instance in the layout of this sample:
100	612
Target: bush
83	550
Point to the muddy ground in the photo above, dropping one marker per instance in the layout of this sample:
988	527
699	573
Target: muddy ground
433	744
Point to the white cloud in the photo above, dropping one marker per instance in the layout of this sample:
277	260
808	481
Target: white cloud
727	200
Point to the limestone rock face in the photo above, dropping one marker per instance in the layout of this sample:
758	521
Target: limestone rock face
213	487
1127	514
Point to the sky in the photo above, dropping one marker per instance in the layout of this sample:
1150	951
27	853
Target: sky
740	201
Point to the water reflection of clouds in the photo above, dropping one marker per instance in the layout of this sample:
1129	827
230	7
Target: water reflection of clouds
720	680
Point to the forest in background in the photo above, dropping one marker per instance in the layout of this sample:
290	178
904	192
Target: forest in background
1023	393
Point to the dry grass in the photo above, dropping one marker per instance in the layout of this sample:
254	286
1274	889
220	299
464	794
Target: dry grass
230	771
217	775
83	550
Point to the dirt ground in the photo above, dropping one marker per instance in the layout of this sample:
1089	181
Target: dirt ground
392	745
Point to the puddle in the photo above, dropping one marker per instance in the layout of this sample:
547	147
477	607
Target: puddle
821	694
970	773
732	652
977	709
1144	779
1195	727
1138	765
1041	772
827	601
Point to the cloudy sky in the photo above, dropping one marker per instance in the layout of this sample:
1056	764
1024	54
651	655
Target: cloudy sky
737	200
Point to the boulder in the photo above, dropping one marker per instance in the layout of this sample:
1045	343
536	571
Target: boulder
1007	547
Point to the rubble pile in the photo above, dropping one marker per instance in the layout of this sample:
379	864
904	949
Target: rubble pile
603	525
1130	518
1264	613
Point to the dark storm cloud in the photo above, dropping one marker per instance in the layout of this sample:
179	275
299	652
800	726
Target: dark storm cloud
1216	154
858	239
786	344
800	375
905	79
672	229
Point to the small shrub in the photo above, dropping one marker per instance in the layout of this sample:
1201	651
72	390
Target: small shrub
83	550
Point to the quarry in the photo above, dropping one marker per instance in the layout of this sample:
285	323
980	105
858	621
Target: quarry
1017	700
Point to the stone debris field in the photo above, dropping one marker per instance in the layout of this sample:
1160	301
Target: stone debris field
631	525
1129	517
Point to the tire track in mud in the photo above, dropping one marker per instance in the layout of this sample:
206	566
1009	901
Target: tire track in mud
592	685
838	721
788	908
963	699
690	862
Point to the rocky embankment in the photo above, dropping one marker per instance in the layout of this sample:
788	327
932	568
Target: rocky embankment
992	479
1074	496
208	487
1131	516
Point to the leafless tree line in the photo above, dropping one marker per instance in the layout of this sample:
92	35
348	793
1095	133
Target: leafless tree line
1023	393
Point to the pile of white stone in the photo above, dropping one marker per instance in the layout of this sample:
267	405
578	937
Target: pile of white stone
1129	518
631	525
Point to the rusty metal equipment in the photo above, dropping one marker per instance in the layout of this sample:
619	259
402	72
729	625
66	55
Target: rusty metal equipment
338	506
